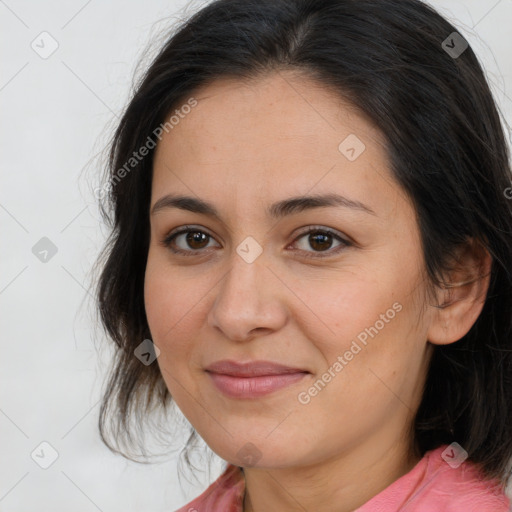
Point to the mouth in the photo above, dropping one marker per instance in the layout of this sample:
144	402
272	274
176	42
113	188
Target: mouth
253	379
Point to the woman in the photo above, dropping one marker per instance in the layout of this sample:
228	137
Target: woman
311	257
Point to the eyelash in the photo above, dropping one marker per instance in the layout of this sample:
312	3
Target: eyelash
167	241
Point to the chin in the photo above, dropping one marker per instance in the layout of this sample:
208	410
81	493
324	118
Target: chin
245	452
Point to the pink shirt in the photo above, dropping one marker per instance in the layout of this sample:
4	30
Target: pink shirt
432	485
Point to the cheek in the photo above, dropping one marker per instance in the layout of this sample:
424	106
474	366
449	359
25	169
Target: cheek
167	295
175	299
382	360
167	305
337	311
369	319
157	299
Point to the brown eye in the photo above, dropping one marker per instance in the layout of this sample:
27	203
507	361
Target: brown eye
191	241
196	239
187	241
321	241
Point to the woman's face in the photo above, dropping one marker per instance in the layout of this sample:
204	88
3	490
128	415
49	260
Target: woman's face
344	306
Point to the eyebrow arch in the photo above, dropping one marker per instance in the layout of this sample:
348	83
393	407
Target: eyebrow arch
277	210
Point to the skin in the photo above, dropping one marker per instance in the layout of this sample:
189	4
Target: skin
247	145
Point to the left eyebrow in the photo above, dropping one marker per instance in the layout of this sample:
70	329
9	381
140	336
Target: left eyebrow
277	210
301	203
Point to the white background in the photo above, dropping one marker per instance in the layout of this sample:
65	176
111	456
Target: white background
56	115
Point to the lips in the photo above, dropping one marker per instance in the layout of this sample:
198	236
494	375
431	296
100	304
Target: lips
254	379
251	369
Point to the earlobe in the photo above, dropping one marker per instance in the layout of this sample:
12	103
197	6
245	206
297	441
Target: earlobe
462	297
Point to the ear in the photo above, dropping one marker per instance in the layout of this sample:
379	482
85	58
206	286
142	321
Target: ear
462	297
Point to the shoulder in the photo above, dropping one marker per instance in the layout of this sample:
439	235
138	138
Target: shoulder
440	484
461	487
224	495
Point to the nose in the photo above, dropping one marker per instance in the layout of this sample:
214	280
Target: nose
250	300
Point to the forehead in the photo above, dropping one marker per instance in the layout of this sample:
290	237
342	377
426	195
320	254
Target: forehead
279	108
276	133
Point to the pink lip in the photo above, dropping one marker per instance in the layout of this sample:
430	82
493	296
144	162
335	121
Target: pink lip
251	369
254	379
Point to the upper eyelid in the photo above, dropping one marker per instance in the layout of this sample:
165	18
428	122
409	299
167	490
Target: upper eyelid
185	229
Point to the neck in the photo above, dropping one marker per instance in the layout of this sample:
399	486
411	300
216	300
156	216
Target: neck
341	484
